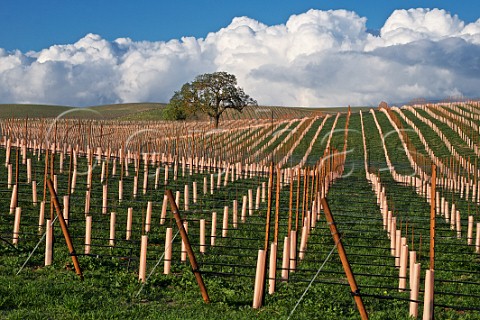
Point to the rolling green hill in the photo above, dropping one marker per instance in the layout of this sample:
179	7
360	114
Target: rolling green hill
151	112
125	110
113	111
31	111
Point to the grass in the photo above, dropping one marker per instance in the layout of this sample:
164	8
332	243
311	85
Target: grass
116	111
145	111
31	111
130	111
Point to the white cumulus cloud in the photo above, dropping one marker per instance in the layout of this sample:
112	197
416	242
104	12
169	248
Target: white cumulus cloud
405	26
318	58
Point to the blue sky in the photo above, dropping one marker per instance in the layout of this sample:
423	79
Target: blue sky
38	24
290	53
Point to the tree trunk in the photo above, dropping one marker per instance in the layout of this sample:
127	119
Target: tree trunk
217	120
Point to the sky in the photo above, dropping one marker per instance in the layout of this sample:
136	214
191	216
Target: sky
295	53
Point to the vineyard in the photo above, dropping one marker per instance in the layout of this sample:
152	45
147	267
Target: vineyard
149	219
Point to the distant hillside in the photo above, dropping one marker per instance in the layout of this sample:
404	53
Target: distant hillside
152	111
125	110
31	111
250	112
113	111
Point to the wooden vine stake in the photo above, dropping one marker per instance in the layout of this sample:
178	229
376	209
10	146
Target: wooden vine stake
293	251
194	190
477	239
259	276
285	258
66	205
430	277
88	233
164	209
113	220
272	268
128	234
41	217
412	259
267	231
13	199
202	235
167	261
225	222
235	214
343	257
414	288
64	227
213	233
16	225
428	296
470	230
34	193
244	209
402	283
148	216
183	255
188	247
49	244
142	270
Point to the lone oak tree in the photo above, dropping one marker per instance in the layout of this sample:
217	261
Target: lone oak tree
212	93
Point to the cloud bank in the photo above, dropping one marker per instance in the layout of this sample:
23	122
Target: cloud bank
318	58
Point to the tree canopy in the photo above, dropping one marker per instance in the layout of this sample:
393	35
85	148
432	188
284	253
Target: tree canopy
210	93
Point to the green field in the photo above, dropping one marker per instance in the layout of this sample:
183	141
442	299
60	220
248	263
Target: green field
139	112
114	111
